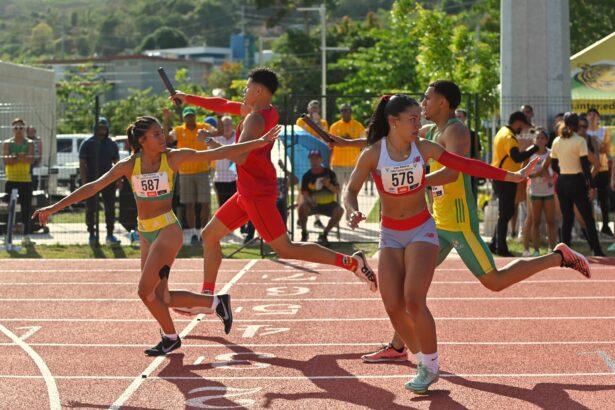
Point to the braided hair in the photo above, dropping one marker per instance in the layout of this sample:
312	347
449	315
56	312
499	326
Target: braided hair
138	129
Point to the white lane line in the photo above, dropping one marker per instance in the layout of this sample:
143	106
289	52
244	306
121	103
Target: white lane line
158	360
199	360
358	319
349	344
332	377
105	270
273	298
436	282
52	388
310	271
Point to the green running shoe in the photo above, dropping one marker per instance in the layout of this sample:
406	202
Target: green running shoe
423	379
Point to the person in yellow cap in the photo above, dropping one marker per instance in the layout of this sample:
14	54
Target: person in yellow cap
194	181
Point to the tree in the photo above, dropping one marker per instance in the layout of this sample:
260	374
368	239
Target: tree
590	20
76	99
164	37
41	39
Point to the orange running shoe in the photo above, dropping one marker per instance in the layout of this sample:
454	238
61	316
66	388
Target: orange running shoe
386	354
573	260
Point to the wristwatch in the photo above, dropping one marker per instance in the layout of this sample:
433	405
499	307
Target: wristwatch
208	140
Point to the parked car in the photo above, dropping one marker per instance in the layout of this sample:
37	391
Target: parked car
67	162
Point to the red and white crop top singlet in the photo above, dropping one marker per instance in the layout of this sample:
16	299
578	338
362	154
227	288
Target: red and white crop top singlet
399	178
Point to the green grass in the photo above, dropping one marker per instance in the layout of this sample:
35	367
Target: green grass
187	251
374	214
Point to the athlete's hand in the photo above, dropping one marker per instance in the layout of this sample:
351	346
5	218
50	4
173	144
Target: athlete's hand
43	214
179	96
355	218
272	135
337	141
524	172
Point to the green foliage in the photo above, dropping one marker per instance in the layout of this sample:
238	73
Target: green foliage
138	103
164	37
590	20
76	99
442	45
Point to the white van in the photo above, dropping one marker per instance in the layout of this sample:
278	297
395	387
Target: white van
67	162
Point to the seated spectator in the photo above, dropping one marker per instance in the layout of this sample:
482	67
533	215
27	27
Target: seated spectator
313	111
319	188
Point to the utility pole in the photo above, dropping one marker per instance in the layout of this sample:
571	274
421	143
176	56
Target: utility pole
322	11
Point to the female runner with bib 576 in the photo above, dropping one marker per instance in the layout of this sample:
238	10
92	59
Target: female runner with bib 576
408	240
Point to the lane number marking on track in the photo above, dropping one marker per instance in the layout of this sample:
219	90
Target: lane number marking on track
287	291
250	331
219	395
277	309
300	276
30	332
604	356
234	361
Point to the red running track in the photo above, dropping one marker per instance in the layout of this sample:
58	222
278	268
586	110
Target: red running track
73	334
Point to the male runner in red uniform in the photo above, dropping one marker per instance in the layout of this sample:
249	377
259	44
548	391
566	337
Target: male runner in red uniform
257	188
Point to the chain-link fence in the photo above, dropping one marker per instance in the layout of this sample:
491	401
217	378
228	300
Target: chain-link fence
58	174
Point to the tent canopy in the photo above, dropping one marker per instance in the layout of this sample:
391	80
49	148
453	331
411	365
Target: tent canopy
593	77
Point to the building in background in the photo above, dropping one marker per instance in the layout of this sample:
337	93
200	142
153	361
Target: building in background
127	72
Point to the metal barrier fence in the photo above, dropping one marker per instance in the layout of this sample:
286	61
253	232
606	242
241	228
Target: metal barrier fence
69	226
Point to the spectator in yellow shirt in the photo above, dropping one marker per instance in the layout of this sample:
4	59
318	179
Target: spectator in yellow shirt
194	181
506	155
343	159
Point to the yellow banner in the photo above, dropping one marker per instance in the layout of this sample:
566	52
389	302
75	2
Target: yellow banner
604	107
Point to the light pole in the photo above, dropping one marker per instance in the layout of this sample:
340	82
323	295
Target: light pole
323	53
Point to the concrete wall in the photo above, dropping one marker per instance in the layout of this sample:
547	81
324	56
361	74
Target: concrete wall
535	57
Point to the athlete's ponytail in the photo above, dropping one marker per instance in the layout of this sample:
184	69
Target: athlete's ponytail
138	129
388	105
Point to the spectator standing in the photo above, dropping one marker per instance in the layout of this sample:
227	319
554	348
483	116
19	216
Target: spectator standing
18	154
194	181
522	208
343	159
97	155
574	185
320	188
225	176
506	155
542	193
603	177
38	154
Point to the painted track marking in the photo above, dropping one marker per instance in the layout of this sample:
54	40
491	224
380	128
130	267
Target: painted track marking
52	388
136	383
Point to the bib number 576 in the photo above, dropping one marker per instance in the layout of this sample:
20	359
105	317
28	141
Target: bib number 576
402	178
